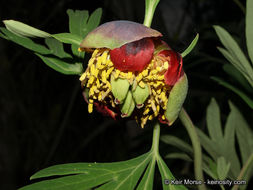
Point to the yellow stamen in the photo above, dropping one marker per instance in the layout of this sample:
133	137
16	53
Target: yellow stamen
90	108
95	52
142	84
145	73
166	65
146	111
116	74
83	76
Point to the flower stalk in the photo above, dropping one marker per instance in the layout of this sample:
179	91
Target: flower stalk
150	7
156	137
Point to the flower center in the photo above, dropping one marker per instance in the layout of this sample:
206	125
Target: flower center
98	75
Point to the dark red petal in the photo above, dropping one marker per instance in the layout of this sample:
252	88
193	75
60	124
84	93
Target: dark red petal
105	110
134	56
175	70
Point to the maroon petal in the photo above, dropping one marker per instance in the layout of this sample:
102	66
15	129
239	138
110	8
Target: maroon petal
163	121
134	56
105	110
175	70
116	34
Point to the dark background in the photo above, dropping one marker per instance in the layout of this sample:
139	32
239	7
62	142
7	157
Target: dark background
43	117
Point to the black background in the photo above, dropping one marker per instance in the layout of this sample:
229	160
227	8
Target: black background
43	117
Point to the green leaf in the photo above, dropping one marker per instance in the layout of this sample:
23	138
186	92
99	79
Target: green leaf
214	122
68	38
129	179
76	52
191	46
245	97
107	176
234	62
73	182
80	25
25	30
25	42
229	145
62	66
77	22
56	48
222	168
208	144
181	156
85	168
89	175
77	26
210	168
94	20
243	133
177	142
232	71
2	35
148	178
249	28
167	175
234	51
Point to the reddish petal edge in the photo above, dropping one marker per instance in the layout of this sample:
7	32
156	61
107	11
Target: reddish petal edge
175	70
164	121
100	107
105	110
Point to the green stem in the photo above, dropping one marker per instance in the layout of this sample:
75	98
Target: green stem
150	7
244	170
186	120
240	5
156	137
222	187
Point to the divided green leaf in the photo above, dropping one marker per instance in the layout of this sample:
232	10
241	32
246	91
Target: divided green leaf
105	176
79	25
234	54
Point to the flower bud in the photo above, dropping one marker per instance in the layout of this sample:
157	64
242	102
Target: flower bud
131	66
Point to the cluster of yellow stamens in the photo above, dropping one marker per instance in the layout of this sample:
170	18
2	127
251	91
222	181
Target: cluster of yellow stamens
97	79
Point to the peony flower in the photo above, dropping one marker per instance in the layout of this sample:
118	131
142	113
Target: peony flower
133	73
